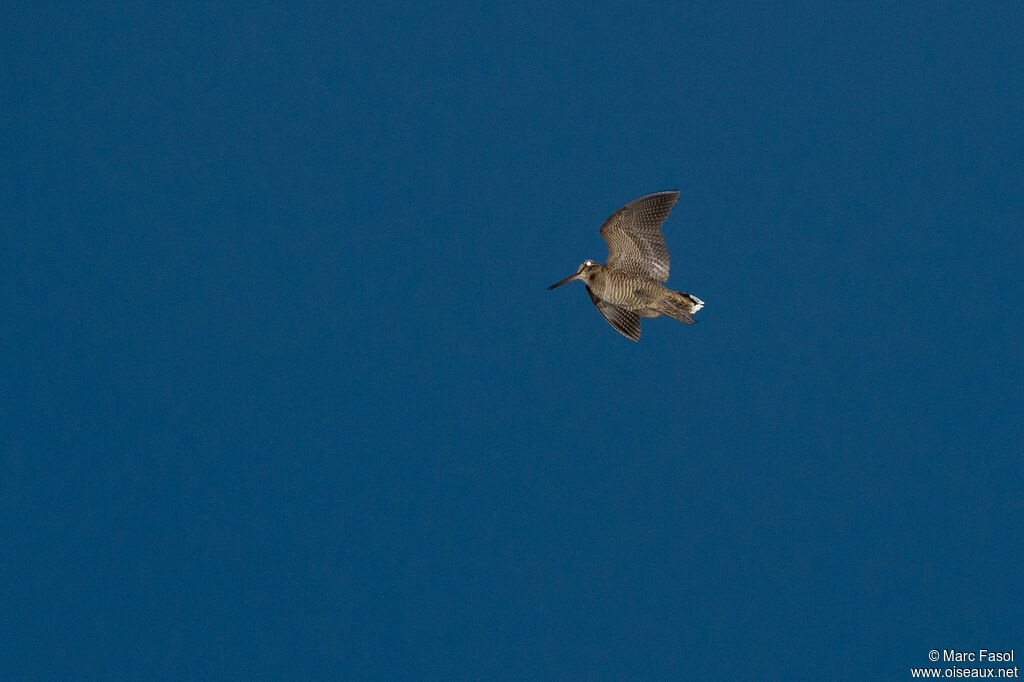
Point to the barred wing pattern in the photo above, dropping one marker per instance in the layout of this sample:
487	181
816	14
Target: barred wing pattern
625	321
635	242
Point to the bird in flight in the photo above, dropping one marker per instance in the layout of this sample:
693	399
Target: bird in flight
628	286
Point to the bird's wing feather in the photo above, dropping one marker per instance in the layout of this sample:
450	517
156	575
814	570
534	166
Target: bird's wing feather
633	233
625	322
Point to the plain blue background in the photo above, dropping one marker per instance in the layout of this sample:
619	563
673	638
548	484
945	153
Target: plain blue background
285	396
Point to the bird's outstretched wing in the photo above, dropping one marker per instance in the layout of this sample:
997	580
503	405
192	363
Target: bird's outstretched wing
625	322
635	242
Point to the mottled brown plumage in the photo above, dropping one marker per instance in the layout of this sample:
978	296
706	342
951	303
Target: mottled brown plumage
628	286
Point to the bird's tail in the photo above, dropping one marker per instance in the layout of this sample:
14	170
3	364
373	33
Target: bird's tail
681	306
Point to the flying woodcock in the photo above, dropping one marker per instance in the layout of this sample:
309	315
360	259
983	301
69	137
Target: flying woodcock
628	286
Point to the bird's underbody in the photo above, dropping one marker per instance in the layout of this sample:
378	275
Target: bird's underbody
629	286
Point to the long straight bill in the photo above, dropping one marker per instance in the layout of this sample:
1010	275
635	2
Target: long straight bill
564	281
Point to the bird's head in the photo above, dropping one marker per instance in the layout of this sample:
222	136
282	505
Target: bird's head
584	272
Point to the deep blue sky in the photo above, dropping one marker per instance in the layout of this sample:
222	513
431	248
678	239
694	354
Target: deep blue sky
286	396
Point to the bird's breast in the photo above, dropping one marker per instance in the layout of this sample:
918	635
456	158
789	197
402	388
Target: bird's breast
624	290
